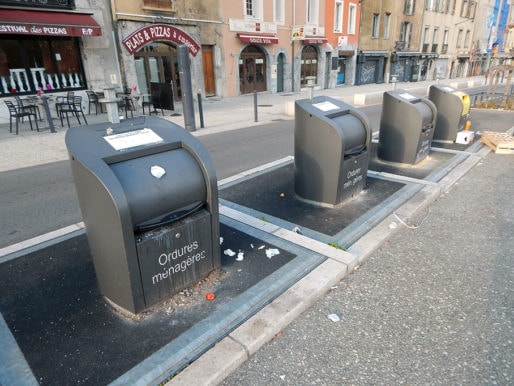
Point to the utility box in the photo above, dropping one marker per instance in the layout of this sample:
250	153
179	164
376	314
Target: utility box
452	111
406	127
331	151
148	194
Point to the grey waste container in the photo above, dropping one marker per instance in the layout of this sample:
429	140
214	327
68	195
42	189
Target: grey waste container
406	127
148	194
452	111
331	150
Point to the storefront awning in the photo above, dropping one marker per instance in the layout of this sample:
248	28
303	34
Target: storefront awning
314	40
258	38
44	23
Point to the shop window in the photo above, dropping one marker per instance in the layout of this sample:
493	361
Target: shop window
30	64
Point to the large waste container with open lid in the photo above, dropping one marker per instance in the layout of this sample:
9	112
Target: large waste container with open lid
406	127
148	194
452	111
331	150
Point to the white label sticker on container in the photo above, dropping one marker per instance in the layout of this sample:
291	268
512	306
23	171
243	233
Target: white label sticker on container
407	96
134	138
325	106
157	171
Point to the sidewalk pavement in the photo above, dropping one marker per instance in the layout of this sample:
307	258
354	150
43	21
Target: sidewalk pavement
31	148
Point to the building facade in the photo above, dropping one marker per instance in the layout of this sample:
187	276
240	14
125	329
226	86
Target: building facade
148	33
342	25
53	46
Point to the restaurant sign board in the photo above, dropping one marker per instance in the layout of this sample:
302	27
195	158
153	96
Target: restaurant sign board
159	32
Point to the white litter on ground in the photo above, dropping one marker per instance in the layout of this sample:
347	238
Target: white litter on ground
272	252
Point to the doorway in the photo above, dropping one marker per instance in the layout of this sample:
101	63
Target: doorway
158	63
252	70
208	70
309	64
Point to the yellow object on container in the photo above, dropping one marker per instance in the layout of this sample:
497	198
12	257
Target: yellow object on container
467	125
466	103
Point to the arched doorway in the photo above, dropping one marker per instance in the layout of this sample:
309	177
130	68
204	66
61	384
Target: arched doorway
280	72
158	63
309	64
252	70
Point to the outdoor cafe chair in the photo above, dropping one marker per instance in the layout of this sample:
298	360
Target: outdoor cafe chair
17	113
73	106
23	106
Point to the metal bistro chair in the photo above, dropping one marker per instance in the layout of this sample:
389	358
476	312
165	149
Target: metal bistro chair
23	106
93	100
17	113
74	106
126	104
63	101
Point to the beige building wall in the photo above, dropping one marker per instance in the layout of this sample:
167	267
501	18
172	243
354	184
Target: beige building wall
199	20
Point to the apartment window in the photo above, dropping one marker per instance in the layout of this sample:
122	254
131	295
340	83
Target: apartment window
459	38
466	38
405	34
253	9
374	25
435	35
464	10
279	11
425	34
430	5
409	6
312	11
338	16
444	48
387	23
352	17
472	9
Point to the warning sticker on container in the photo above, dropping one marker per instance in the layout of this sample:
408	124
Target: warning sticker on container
325	106
129	139
449	89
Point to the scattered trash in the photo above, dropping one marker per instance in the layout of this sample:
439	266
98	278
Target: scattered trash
393	225
240	256
283	377
221	240
229	252
334	317
251	245
272	252
297	230
210	296
282	195
334	287
261	247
